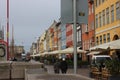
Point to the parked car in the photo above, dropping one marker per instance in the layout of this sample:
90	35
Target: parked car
97	59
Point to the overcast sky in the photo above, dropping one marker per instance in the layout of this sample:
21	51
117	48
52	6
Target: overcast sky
30	18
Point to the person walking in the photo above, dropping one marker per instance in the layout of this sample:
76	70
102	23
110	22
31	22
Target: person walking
63	66
57	67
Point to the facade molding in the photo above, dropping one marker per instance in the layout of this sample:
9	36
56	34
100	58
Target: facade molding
107	29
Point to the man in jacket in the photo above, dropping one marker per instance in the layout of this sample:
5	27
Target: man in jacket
63	66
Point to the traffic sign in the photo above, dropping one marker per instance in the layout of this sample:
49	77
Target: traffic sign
67	11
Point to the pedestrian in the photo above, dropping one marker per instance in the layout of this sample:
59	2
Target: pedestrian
57	67
63	66
14	59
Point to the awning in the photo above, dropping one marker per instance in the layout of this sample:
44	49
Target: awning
71	50
65	51
35	55
112	45
39	54
93	52
44	53
54	52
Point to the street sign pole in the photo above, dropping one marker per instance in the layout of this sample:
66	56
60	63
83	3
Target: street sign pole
74	11
74	36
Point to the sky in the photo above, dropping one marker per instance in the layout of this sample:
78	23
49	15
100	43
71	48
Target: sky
29	18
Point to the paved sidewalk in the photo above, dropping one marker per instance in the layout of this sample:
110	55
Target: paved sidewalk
50	75
57	77
82	73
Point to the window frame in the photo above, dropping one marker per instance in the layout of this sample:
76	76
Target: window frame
107	15
117	10
112	13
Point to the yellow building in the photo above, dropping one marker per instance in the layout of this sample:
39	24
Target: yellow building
42	43
107	20
50	36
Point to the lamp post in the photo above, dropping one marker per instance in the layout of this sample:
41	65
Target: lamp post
75	36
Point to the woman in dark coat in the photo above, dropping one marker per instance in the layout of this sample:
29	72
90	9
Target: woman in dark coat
57	67
63	66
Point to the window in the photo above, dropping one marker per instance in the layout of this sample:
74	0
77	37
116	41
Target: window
100	19
97	41
112	13
79	35
103	1
108	37
107	15
92	8
104	38
117	10
89	11
99	2
96	21
100	39
92	25
63	42
103	14
96	3
86	28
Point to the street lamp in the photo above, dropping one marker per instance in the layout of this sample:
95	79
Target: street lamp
75	36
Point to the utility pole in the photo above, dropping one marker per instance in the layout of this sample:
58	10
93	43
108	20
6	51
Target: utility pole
75	36
12	54
8	30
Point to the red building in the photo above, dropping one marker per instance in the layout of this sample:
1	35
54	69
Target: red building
88	30
69	35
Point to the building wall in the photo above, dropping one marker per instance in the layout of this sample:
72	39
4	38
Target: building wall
69	35
47	40
88	30
59	37
55	42
18	51
63	36
33	48
107	27
50	36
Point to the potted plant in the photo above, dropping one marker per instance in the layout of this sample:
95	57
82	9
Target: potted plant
114	67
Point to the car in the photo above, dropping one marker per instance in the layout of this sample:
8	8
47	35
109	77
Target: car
97	59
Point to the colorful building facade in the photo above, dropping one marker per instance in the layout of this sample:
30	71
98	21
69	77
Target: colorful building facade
107	17
69	35
107	21
51	37
88	29
63	36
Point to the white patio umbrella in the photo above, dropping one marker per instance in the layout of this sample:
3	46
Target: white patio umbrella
112	45
71	50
